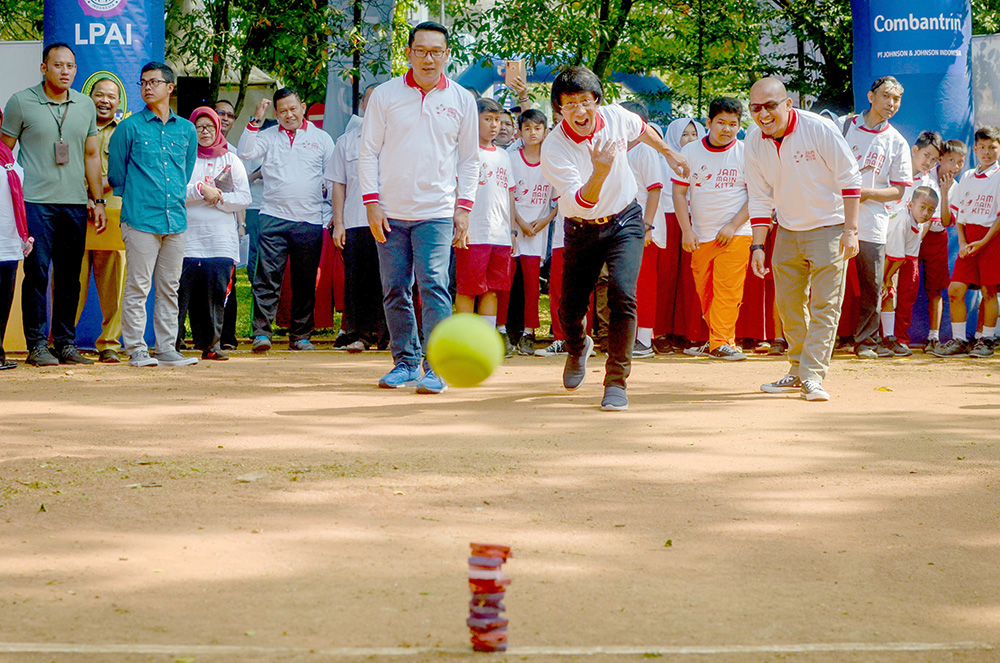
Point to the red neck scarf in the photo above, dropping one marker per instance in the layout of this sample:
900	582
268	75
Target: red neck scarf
220	146
16	192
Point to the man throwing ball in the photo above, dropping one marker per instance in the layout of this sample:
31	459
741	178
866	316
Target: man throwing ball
584	160
799	165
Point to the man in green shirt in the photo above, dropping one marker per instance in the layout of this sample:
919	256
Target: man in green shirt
60	153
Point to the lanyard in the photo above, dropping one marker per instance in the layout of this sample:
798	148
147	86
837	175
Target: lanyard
59	122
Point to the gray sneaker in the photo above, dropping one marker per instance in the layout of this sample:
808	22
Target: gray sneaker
814	391
141	359
174	358
697	351
786	385
555	349
640	351
615	399
727	352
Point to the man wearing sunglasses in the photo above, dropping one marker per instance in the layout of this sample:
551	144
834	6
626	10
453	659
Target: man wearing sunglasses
799	165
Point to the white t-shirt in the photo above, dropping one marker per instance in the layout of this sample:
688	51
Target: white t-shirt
903	239
489	220
645	164
717	187
884	160
567	164
10	241
532	200
211	230
345	171
973	199
558	229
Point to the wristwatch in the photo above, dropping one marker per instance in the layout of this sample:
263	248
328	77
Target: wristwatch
756	247
100	201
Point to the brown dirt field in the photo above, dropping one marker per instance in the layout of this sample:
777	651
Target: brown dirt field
800	531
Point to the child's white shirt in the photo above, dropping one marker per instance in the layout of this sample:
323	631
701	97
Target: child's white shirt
717	187
489	220
532	200
973	199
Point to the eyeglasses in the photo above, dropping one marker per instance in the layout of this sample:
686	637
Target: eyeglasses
225	114
421	53
586	105
208	128
769	106
151	83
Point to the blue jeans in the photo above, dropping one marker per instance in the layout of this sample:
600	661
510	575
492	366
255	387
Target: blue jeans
419	249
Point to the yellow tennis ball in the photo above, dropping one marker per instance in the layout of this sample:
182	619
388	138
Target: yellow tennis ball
464	349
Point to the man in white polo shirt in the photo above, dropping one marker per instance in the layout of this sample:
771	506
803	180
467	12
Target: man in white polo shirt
297	162
585	161
419	169
799	164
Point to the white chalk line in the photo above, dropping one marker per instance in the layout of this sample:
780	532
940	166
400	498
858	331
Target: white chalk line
356	652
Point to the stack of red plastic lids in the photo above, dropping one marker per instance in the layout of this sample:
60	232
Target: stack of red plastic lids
488	585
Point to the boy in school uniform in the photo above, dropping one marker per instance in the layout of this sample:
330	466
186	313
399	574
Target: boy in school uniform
934	246
482	269
897	312
717	232
973	204
533	213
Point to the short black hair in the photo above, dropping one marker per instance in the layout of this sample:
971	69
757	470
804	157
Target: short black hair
925	191
573	80
53	46
637	108
162	67
956	146
226	102
891	80
725	105
988	132
432	27
532	115
488	106
282	93
930	139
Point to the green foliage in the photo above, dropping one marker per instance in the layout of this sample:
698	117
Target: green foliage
985	17
20	20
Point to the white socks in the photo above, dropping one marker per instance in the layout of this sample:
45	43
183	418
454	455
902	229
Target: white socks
989	332
644	335
934	335
958	330
888	323
492	320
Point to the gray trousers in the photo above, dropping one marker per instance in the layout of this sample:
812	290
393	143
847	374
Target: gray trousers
870	263
151	261
809	279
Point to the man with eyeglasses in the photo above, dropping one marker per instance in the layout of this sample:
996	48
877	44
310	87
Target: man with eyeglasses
799	165
60	153
151	158
418	169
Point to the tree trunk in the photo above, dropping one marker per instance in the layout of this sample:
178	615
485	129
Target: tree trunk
220	46
609	39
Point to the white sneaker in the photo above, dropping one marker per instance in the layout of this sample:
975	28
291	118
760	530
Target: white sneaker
555	349
142	359
814	391
174	358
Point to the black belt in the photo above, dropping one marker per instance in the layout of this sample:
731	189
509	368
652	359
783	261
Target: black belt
600	221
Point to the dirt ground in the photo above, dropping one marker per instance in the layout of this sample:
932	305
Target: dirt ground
285	509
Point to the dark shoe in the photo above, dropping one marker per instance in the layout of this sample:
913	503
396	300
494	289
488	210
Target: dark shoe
68	354
778	347
786	385
230	345
526	346
508	347
956	347
301	345
897	348
883	352
727	352
109	356
342	341
931	345
261	344
356	347
983	348
214	355
615	399
42	356
575	371
663	346
640	351
7	364
761	348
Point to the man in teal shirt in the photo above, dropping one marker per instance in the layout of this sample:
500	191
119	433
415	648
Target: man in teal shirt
150	160
60	153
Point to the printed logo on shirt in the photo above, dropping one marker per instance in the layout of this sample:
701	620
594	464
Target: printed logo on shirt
702	176
981	204
873	160
447	110
538	196
800	156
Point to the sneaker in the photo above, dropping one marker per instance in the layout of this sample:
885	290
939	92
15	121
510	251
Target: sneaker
956	347
778	347
214	355
882	352
431	383
640	351
400	376
931	345
814	391
555	349
141	359
260	344
727	352
663	346
342	341
614	399
697	351
172	358
786	385
68	354
42	356
526	346
356	347
866	351
508	347
301	345
575	370
109	356
762	348
983	348
7	364
896	348
229	344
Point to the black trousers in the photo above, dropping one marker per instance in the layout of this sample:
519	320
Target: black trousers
202	297
280	241
60	232
8	276
364	315
588	247
231	314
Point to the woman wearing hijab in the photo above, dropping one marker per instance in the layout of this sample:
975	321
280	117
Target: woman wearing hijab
14	240
679	322
217	191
